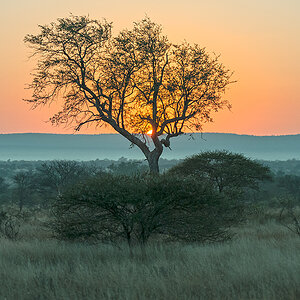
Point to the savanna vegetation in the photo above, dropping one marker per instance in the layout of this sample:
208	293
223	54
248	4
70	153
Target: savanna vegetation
213	226
74	230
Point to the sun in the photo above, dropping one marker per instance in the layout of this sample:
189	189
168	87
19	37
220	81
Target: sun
149	132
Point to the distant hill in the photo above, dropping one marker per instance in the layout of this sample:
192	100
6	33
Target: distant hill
37	146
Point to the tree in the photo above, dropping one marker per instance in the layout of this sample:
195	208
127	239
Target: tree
289	214
3	190
23	181
135	208
146	88
58	174
3	185
290	185
226	171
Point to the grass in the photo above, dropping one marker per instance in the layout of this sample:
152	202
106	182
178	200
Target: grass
262	262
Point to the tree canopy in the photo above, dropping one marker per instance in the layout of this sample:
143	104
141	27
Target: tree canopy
112	207
224	170
135	82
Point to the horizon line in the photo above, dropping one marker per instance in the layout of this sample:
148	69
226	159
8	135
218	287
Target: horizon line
186	133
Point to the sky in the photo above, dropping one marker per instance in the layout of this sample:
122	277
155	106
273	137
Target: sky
258	39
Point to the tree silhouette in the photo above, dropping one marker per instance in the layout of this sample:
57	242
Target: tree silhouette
23	181
137	82
224	170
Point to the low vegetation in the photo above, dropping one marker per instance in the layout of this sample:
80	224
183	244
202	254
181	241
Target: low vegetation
65	228
261	262
137	208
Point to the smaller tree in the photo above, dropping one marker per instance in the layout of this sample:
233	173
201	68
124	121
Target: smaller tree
290	185
3	189
135	208
23	182
58	174
290	215
3	185
227	172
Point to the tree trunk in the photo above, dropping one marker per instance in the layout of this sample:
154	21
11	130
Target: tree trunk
21	201
20	204
128	236
153	158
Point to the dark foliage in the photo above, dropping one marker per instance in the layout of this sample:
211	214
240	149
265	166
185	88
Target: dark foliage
9	225
290	215
42	190
24	185
130	167
59	174
3	185
290	184
228	172
136	208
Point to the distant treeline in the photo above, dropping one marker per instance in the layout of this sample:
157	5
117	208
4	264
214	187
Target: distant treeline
33	183
10	167
285	167
27	183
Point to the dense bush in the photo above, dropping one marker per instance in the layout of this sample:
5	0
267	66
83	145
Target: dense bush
136	208
227	172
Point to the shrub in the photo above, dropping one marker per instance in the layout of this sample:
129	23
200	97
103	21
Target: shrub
112	208
9	225
227	172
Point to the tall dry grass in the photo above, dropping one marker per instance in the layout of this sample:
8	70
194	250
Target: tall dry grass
262	262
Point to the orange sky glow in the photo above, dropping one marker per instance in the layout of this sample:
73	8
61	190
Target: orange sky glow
257	39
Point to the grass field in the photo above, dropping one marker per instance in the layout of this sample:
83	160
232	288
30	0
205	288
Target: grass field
261	262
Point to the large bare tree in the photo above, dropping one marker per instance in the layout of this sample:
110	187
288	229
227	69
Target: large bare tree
146	88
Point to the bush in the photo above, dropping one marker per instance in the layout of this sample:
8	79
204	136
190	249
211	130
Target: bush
113	208
9	225
229	173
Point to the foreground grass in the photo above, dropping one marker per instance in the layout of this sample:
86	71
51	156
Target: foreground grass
262	262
